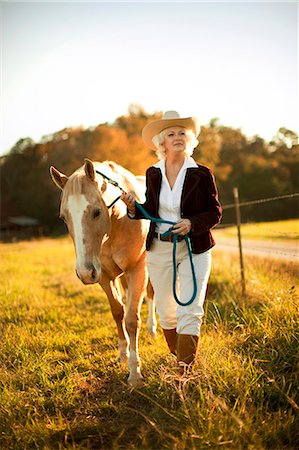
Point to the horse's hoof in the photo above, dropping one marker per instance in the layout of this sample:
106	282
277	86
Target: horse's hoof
135	381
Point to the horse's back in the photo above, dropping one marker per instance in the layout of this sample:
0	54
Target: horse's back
141	181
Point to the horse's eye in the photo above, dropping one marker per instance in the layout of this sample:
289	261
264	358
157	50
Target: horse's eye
96	213
62	217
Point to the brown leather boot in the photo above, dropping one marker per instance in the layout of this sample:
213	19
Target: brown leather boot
186	350
171	337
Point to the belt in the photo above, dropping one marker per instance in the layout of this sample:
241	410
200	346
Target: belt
168	238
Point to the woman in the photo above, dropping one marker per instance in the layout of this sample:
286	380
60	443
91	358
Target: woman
179	190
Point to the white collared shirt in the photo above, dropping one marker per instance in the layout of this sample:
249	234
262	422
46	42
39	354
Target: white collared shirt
170	199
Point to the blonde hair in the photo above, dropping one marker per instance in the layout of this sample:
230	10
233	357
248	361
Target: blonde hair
158	140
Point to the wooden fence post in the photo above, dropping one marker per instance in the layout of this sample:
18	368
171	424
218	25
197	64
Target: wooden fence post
238	216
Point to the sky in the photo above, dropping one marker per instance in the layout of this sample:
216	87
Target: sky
69	64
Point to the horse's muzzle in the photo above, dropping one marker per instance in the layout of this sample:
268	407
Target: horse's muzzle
89	274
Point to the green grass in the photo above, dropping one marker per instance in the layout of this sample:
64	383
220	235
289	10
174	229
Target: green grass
284	230
60	387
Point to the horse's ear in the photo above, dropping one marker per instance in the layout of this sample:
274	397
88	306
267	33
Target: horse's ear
58	178
89	169
112	165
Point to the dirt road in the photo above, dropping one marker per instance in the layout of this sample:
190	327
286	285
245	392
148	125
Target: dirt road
282	250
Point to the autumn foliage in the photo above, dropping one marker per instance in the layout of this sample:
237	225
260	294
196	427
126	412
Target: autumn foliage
259	169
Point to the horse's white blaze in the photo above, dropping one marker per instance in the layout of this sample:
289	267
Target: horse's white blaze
77	204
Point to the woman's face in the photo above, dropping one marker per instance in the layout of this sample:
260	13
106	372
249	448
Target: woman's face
175	139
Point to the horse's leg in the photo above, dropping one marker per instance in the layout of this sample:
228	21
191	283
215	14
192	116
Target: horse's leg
151	318
112	291
136	279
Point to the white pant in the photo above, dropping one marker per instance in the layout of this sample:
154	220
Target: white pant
159	261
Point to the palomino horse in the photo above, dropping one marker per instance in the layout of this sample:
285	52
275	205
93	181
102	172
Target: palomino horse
108	244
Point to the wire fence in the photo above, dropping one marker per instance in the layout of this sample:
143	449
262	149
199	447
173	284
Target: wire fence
287	250
262	200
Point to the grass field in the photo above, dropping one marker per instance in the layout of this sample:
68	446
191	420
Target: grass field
61	388
285	230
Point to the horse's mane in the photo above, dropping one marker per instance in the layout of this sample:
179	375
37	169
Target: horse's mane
126	179
74	184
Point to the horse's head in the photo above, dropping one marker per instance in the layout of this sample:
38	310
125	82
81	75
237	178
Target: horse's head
86	216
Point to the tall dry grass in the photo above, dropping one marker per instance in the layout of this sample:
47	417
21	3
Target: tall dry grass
61	388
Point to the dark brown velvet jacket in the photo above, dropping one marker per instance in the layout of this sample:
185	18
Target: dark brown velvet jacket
199	204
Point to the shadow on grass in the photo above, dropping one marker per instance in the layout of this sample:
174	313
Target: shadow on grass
108	414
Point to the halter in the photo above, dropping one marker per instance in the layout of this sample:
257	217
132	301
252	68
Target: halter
167	233
114	183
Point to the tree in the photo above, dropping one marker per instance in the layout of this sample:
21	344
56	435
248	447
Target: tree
258	169
208	149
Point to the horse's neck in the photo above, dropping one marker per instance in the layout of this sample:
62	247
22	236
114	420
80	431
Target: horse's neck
126	180
118	210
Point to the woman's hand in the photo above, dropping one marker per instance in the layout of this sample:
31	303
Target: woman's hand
182	227
129	200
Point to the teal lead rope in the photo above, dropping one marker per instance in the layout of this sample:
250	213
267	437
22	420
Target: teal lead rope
167	233
175	240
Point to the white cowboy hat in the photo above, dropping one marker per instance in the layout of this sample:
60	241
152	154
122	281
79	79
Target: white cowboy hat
169	119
